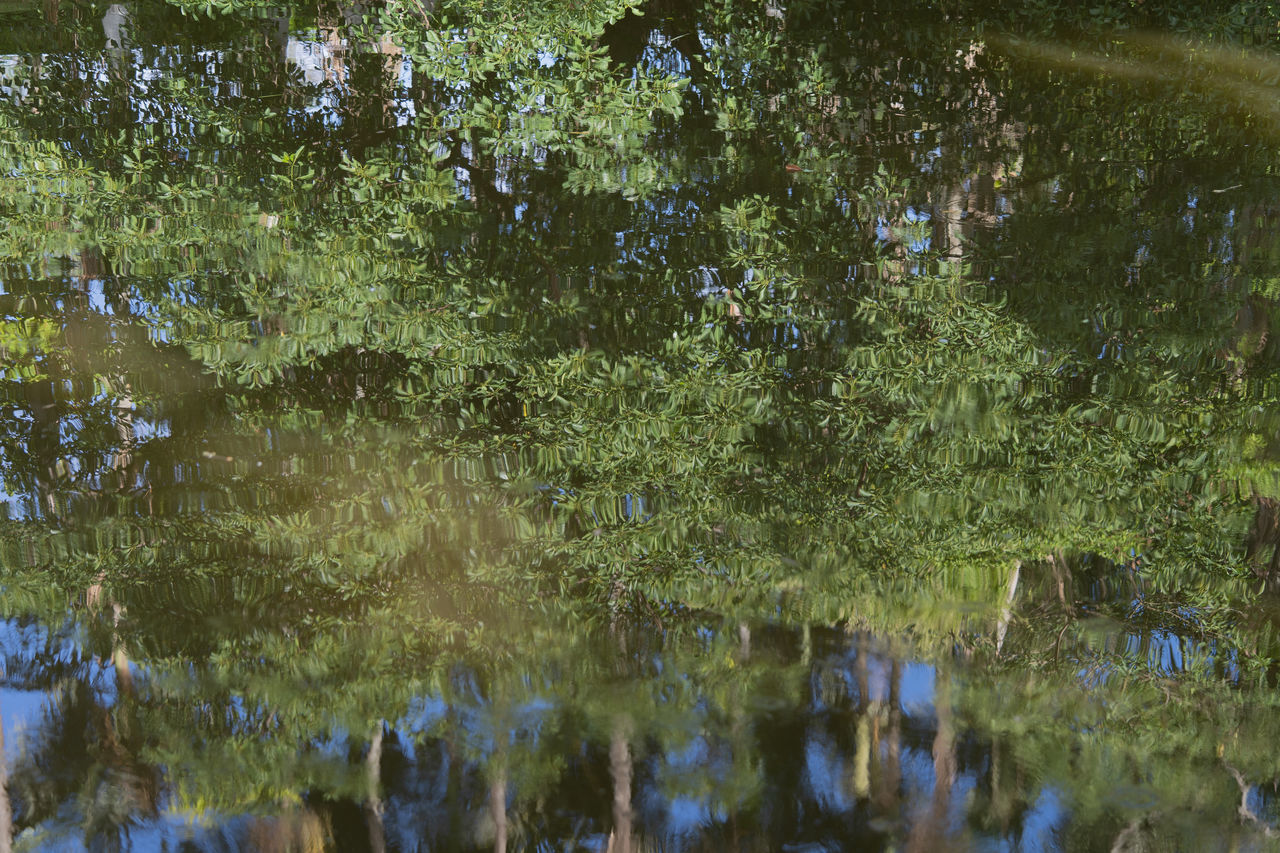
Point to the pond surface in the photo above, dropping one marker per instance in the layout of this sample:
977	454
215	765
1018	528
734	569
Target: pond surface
623	426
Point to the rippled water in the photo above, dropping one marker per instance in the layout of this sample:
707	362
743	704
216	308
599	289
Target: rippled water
619	427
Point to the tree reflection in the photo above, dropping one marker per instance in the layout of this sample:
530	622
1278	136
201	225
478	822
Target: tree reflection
569	424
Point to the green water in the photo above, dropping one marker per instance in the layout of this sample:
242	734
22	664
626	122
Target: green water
599	426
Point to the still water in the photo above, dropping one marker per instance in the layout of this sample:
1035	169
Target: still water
624	426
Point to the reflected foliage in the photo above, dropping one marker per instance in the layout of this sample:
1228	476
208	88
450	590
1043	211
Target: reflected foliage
617	424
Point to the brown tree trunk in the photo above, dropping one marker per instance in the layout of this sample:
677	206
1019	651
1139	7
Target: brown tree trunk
373	808
620	769
862	756
891	779
1264	533
929	832
6	812
498	809
120	654
1002	625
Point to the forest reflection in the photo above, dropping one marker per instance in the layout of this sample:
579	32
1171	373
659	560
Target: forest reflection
817	736
636	736
636	426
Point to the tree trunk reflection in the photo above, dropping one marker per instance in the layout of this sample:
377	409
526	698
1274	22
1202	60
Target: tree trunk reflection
620	770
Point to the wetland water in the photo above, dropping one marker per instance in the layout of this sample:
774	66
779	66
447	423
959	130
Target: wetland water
603	426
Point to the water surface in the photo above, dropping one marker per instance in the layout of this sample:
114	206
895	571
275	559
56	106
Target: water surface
618	426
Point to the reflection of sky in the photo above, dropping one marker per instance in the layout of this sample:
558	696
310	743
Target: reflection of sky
12	507
151	65
31	653
26	650
917	777
311	57
683	811
682	794
171	830
916	690
1041	825
20	710
825	773
10	66
316	59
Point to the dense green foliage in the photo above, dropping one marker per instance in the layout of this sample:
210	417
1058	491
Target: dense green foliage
531	359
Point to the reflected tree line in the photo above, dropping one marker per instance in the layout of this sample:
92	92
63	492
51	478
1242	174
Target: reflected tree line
716	767
319	371
828	740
